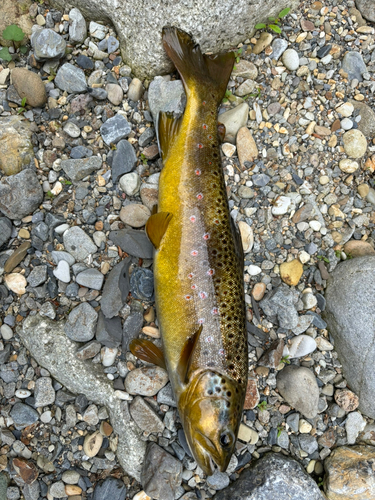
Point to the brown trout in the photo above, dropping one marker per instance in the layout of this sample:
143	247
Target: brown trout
198	265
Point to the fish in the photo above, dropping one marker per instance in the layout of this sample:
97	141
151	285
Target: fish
198	263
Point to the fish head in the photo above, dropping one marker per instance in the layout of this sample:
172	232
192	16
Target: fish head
211	414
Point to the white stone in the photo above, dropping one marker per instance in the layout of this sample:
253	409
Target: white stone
304	426
46	417
6	332
228	149
354	424
254	270
62	271
282	205
290	59
99	237
304	257
348	166
300	346
346	124
22	393
108	355
130	183
309	300
315	225
16	282
72	130
125	396
247	236
57	188
346	109
62	228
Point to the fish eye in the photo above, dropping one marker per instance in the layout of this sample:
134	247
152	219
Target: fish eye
226	439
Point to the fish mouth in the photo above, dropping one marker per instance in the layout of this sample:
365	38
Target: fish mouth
209	458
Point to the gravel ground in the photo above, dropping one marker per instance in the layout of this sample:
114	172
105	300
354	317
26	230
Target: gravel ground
78	179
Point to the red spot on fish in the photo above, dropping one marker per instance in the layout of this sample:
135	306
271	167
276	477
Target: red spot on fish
200	146
198	172
216	221
194	253
203	103
187	297
206	236
214	311
210	136
202	295
221	352
190	276
211	272
200	196
204	126
193	287
201	321
210	162
209	339
193	218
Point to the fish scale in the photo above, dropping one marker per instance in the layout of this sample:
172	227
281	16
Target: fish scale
198	263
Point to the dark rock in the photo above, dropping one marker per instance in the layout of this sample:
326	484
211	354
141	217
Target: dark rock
5	230
23	415
20	194
115	129
79	152
142	284
132	327
323	51
280	303
85	62
133	242
274	476
161	473
116	289
124	160
109	331
349	314
146	137
41	231
110	489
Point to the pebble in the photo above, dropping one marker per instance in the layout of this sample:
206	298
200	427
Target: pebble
144	416
258	291
279	46
81	323
62	271
29	85
130	183
234	120
78	243
282	205
16	282
354	65
115	129
71	79
300	346
135	215
44	393
110	488
90	278
115	93
92	444
299	388
136	90
218	481
348	166
247	236
263	41
146	381
77	28
290	59
78	169
355	143
57	490
291	272
354	424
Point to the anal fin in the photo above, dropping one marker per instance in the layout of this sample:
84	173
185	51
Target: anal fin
187	355
156	226
147	351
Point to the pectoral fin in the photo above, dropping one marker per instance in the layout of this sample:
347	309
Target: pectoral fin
168	128
147	351
187	355
156	226
221	130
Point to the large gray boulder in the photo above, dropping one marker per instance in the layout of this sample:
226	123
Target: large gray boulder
350	315
273	477
366	8
216	25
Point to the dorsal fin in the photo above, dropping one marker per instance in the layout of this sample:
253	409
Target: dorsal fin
156	226
187	355
147	351
168	128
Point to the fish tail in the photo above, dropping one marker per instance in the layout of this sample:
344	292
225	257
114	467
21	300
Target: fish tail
205	75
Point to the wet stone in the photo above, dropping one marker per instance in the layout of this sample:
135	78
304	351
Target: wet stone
142	284
23	415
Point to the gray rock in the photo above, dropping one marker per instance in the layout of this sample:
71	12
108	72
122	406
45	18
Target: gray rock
218	481
3	485
279	46
79	152
115	129
23	415
144	416
78	27
274	476
20	194
81	323
299	388
146	137
71	79
132	327
5	230
233	120
133	242
366	8
354	424
91	278
280	303
57	490
31	491
109	331
58	255
304	321
98	93
48	44
349	314
13	493
293	421
112	44
116	289
367	114
165	396
89	350
290	59
168	96
110	488
50	347
76	170
78	243
124	160
44	393
37	276
146	381
308	443
213	31
161	473
48	310
353	64
142	284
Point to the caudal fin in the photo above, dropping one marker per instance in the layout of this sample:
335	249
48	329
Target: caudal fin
207	75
